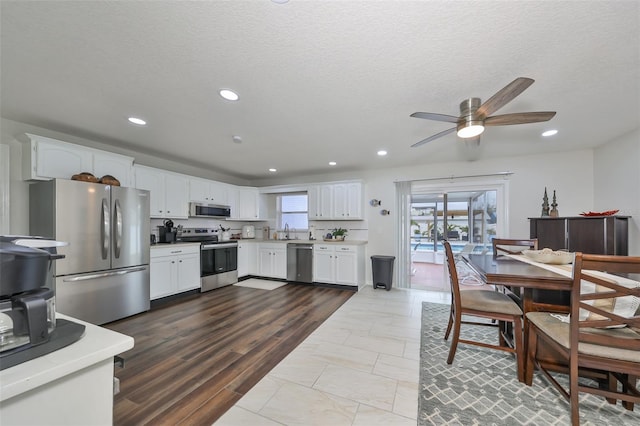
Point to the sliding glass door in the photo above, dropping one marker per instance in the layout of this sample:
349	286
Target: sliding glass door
468	216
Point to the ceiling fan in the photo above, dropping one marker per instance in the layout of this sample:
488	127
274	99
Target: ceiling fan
475	116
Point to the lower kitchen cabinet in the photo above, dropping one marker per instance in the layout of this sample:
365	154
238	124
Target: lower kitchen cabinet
338	264
247	258
272	260
174	269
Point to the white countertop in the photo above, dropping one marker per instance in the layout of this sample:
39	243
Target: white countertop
254	240
319	241
96	345
179	243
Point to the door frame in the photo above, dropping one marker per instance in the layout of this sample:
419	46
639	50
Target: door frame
447	185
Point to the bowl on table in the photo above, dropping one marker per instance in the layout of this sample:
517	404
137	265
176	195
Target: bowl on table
546	255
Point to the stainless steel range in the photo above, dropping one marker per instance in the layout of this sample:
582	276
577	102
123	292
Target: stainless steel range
218	259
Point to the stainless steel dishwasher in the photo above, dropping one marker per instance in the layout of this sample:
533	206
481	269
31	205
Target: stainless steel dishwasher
300	262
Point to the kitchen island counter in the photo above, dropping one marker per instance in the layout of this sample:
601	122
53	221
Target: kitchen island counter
73	385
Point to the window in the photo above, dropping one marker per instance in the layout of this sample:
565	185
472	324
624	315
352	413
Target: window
293	211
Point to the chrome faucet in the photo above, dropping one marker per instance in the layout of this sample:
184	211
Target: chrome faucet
286	231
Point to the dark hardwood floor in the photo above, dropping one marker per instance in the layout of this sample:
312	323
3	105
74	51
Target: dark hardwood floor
196	356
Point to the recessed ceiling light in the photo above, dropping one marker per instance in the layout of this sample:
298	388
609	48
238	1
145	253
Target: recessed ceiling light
549	133
382	153
237	139
229	95
138	121
332	163
273	170
280	1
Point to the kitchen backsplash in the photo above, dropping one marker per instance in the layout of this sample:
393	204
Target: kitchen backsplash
356	231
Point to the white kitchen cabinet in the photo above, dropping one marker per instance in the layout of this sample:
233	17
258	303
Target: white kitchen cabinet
320	198
323	264
272	260
45	158
338	264
347	201
118	166
247	258
338	201
244	202
174	270
169	192
208	191
69	386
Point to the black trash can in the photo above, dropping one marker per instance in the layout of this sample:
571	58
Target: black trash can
382	271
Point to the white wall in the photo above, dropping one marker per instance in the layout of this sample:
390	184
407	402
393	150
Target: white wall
617	182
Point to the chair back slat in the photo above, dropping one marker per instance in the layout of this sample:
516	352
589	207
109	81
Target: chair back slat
598	309
505	245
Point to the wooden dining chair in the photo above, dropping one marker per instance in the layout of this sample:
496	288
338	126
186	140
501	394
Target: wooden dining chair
487	304
504	246
509	245
601	337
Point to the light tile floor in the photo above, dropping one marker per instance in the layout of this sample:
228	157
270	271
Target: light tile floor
360	367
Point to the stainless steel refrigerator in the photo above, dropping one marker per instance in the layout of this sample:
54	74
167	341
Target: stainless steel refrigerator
105	273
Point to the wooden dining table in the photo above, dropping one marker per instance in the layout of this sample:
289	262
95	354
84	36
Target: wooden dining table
509	272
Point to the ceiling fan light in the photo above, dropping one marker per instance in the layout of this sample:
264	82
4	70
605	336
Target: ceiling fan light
470	131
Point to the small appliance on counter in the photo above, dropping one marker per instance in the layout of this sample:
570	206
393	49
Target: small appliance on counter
312	232
225	234
248	231
28	324
266	233
166	232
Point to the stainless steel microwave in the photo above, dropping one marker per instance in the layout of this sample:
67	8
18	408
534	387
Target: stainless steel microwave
208	210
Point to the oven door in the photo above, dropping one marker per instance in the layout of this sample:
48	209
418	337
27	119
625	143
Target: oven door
218	265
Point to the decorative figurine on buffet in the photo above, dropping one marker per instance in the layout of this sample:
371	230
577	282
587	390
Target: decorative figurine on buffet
554	206
545	204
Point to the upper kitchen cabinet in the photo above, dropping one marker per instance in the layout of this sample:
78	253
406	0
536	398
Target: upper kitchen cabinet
347	203
45	158
169	192
244	202
336	201
320	202
118	166
208	191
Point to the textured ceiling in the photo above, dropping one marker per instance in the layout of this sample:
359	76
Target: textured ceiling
318	80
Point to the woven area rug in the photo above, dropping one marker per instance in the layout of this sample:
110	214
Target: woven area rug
481	387
261	284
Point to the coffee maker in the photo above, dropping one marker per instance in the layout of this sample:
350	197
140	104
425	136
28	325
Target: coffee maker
28	324
166	232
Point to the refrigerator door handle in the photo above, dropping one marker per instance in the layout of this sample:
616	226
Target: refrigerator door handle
105	231
104	274
117	223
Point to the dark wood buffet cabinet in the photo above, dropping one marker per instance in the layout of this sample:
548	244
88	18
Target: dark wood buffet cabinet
587	234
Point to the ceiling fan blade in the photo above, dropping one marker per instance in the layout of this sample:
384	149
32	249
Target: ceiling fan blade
436	117
503	96
519	118
436	136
